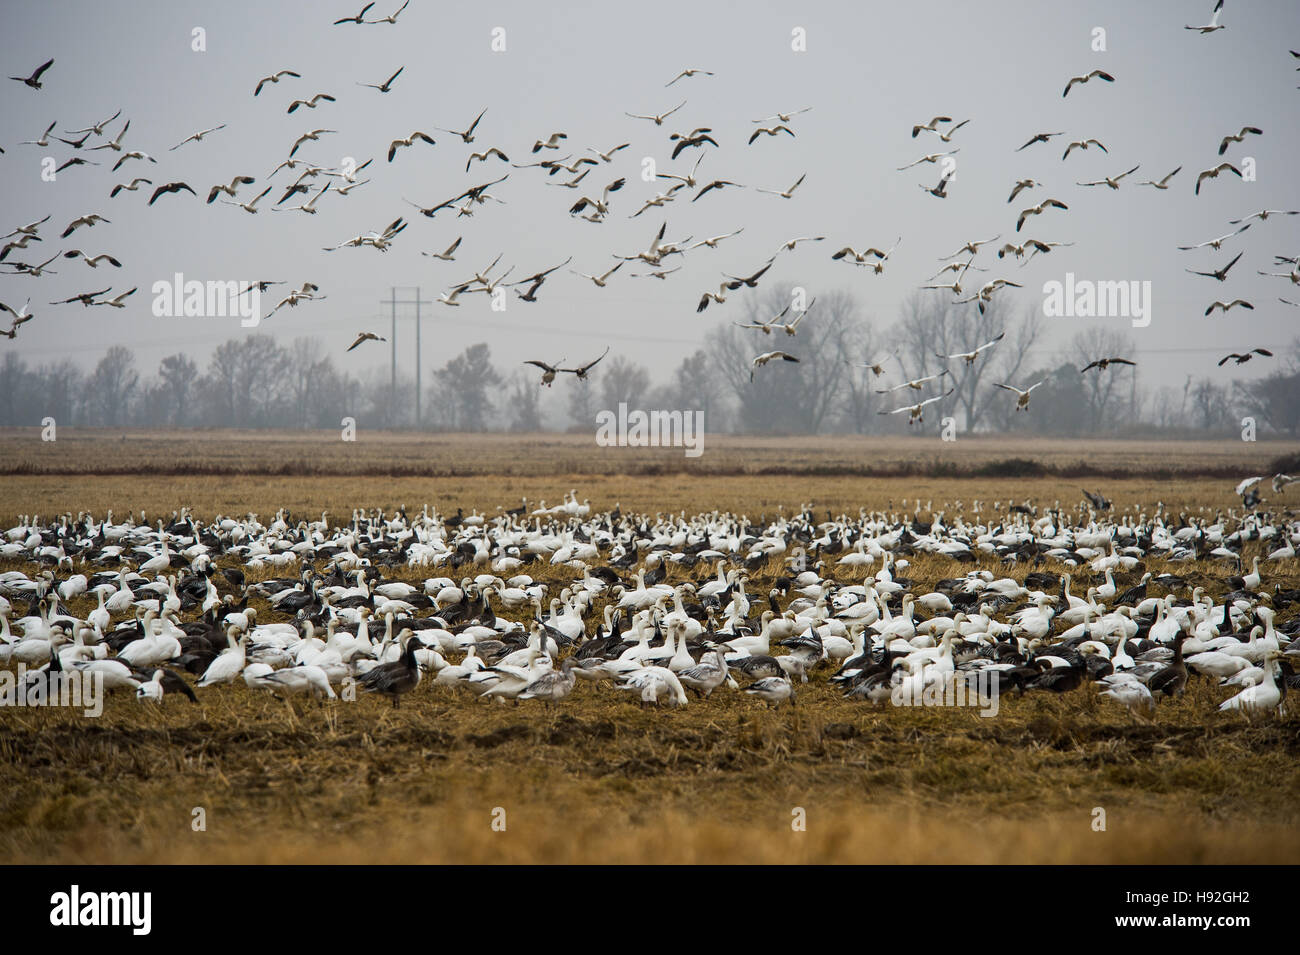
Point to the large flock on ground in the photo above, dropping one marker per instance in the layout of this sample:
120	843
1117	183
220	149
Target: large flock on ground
660	607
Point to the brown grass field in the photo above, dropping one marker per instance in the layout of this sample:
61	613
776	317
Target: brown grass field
597	778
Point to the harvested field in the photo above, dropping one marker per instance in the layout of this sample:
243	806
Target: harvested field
598	777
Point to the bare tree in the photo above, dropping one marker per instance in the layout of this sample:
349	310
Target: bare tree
803	397
1110	392
933	327
111	387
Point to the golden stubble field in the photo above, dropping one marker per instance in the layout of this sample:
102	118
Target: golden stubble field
599	779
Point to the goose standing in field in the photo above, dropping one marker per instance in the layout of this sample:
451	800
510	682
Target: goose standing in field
152	691
1093	74
1022	397
553	685
774	690
395	679
1262	697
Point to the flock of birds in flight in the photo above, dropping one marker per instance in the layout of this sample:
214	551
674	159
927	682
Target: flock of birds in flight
660	606
596	205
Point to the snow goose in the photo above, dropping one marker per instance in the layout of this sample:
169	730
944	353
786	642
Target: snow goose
1162	183
788	193
274	78
1022	397
658	118
311	103
1038	210
34	81
196	137
774	690
1093	74
1111	181
1213	25
1213	173
467	136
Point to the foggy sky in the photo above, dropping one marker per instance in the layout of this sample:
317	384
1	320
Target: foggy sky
870	72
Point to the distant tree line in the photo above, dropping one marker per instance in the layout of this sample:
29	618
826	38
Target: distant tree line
255	382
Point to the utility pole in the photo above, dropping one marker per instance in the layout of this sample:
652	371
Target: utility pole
393	301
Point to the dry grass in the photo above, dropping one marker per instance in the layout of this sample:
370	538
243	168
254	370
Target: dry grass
599	779
411	454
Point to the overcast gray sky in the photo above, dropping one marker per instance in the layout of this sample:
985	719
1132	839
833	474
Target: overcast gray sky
870	72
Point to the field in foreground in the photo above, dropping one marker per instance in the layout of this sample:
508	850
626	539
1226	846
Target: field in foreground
600	779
